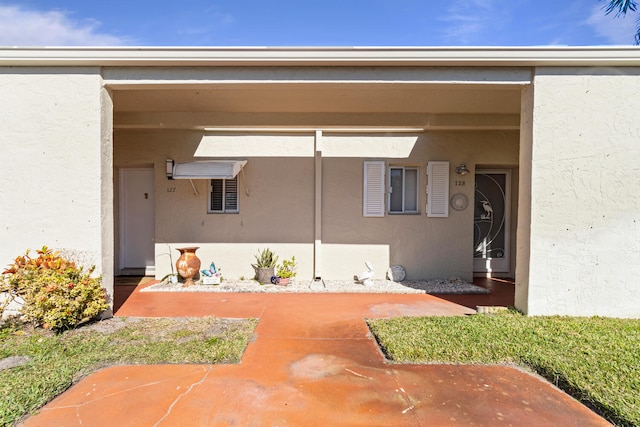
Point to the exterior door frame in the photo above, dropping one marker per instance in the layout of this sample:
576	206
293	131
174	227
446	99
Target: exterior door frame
123	269
482	267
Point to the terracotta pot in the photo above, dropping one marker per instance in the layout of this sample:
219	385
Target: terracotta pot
284	281
188	264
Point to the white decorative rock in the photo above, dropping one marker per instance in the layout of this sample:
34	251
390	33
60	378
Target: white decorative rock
396	273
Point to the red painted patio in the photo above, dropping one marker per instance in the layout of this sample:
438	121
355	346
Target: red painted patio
312	363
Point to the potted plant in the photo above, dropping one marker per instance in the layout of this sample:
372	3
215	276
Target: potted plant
287	270
265	265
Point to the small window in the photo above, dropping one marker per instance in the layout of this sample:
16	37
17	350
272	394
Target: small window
403	189
223	197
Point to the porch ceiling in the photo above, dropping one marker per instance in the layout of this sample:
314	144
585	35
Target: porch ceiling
427	105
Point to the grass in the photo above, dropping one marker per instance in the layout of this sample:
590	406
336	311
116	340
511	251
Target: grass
596	360
59	360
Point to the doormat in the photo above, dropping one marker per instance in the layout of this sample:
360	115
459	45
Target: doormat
434	286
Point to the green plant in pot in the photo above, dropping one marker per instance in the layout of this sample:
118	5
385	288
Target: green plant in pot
265	265
287	270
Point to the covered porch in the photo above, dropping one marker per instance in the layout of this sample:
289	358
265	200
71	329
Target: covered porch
307	135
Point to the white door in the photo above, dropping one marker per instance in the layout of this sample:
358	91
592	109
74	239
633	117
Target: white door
491	222
137	219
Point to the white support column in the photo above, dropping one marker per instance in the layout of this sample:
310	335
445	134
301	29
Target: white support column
523	233
106	191
317	262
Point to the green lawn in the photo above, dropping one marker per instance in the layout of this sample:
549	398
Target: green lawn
59	360
596	360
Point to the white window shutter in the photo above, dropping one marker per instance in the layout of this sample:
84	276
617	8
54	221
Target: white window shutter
373	198
438	189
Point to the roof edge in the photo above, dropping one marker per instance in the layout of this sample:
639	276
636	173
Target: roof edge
320	56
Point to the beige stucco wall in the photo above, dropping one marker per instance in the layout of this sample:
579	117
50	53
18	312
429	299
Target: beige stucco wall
425	247
276	202
278	210
56	169
585	193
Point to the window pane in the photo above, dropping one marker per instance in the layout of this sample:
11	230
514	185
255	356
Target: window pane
395	198
411	190
216	195
231	195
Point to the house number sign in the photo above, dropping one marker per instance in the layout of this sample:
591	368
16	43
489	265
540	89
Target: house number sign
171	189
460	183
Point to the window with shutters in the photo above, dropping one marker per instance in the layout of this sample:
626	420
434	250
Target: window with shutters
403	190
223	197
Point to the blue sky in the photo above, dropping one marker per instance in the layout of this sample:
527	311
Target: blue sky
311	23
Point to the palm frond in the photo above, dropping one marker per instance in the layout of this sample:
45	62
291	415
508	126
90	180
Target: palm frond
621	7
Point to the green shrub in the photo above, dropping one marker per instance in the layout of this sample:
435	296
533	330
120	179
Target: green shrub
288	268
55	293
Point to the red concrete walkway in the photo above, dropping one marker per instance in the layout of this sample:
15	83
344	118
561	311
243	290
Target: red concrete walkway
313	363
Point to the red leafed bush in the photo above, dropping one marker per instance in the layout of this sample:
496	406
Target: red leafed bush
55	293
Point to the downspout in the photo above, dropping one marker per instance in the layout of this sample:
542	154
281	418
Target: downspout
317	252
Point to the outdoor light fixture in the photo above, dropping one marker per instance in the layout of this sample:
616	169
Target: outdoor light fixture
169	169
462	169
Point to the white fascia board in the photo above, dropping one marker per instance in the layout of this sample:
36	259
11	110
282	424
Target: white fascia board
327	56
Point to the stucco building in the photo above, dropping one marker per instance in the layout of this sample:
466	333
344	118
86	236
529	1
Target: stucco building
516	162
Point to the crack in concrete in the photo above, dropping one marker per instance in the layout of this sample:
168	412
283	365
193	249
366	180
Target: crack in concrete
78	414
80	405
405	396
108	395
180	396
408	409
357	374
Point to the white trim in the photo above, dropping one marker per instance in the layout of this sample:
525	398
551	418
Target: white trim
321	56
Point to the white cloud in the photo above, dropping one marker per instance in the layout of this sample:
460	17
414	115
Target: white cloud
467	20
22	27
617	30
